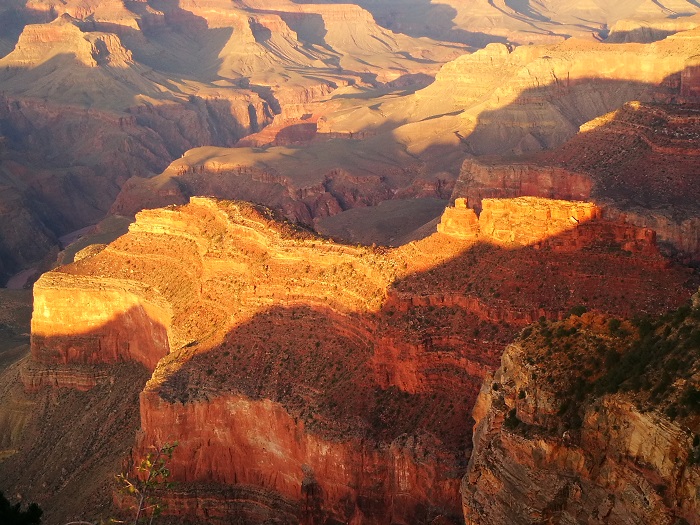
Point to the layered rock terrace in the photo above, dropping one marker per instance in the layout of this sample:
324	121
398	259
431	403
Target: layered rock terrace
350	357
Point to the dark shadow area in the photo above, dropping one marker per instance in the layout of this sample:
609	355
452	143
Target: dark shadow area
642	35
524	7
309	27
383	394
72	443
16	312
424	19
13	20
296	133
411	372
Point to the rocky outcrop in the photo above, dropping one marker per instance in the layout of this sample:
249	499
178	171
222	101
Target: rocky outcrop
351	480
479	179
114	321
639	30
548	446
636	164
302	183
532	221
350	356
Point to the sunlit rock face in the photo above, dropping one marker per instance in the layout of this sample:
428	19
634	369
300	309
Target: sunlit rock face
552	442
308	379
105	322
637	164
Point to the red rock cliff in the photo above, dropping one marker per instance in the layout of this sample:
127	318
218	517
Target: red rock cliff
314	380
552	443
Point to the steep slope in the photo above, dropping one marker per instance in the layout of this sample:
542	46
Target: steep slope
478	22
350	371
638	162
512	101
95	92
591	420
356	152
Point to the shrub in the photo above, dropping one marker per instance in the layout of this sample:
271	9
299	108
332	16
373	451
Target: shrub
578	310
11	514
511	421
614	326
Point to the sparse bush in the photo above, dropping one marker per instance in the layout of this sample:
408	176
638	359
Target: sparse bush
578	310
511	422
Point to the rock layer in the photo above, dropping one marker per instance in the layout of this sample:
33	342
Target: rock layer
339	364
548	447
638	165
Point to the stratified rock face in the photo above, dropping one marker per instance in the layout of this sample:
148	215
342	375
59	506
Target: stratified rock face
638	164
329	381
505	100
533	221
350	480
479	180
303	183
97	92
78	320
649	30
554	443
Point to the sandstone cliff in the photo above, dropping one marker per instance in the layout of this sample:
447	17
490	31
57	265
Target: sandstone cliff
97	92
339	365
590	421
637	163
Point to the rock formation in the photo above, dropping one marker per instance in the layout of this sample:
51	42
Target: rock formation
348	358
479	22
308	381
96	92
578	425
637	163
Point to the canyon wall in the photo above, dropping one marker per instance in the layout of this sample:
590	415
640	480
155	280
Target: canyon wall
553	445
304	183
105	322
635	163
352	480
533	221
317	377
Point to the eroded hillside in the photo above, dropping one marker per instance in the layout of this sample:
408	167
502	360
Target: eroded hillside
593	416
639	162
94	93
361	147
98	93
360	365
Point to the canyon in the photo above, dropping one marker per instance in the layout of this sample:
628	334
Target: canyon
99	98
375	263
610	443
339	363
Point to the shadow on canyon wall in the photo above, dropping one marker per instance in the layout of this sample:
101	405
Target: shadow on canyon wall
404	377
422	19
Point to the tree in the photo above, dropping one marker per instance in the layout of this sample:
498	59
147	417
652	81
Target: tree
12	515
154	474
